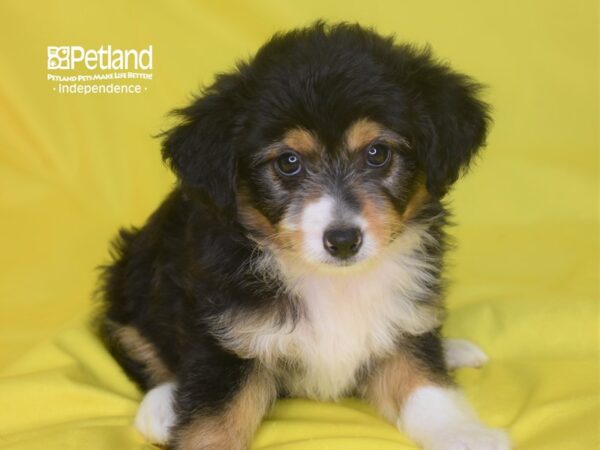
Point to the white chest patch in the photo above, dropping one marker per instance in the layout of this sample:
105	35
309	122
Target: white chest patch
346	322
347	319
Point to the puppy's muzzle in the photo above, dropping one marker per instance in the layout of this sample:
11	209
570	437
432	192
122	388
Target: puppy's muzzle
342	242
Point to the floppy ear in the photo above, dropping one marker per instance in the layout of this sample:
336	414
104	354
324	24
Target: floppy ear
452	123
200	150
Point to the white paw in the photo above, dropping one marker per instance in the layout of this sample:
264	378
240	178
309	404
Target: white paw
439	418
468	436
462	353
156	416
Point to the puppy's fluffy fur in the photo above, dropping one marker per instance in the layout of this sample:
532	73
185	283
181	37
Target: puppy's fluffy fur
300	253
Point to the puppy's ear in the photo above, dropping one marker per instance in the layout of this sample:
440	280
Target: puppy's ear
200	150
452	122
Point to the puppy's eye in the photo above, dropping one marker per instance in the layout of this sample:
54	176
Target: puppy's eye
288	164
378	155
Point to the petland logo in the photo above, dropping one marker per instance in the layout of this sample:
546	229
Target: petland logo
105	58
74	70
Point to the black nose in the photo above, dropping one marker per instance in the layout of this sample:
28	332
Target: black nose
342	243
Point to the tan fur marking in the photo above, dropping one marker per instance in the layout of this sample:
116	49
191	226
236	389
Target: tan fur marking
364	131
418	199
232	430
381	217
252	218
376	225
392	381
283	238
261	229
144	352
361	133
301	140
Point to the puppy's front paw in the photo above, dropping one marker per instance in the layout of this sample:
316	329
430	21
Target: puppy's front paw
439	418
156	416
468	436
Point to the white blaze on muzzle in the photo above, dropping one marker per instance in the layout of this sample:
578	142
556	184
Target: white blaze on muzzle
323	215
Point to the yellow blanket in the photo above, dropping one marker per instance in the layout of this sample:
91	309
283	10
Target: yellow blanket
74	167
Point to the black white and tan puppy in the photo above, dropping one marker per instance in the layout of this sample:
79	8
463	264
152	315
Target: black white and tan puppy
301	251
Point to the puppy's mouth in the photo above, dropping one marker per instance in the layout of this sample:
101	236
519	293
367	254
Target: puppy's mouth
353	261
336	263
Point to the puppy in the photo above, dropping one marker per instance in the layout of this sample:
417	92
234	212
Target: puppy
301	251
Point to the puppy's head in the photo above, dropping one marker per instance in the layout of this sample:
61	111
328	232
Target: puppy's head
329	141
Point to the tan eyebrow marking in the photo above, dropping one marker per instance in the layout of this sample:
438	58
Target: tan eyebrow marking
300	140
364	131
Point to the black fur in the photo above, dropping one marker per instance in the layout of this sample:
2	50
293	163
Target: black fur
186	265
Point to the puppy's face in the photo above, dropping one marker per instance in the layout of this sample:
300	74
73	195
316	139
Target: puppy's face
328	142
334	205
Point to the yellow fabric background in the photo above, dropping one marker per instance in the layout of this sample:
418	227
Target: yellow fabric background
525	275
